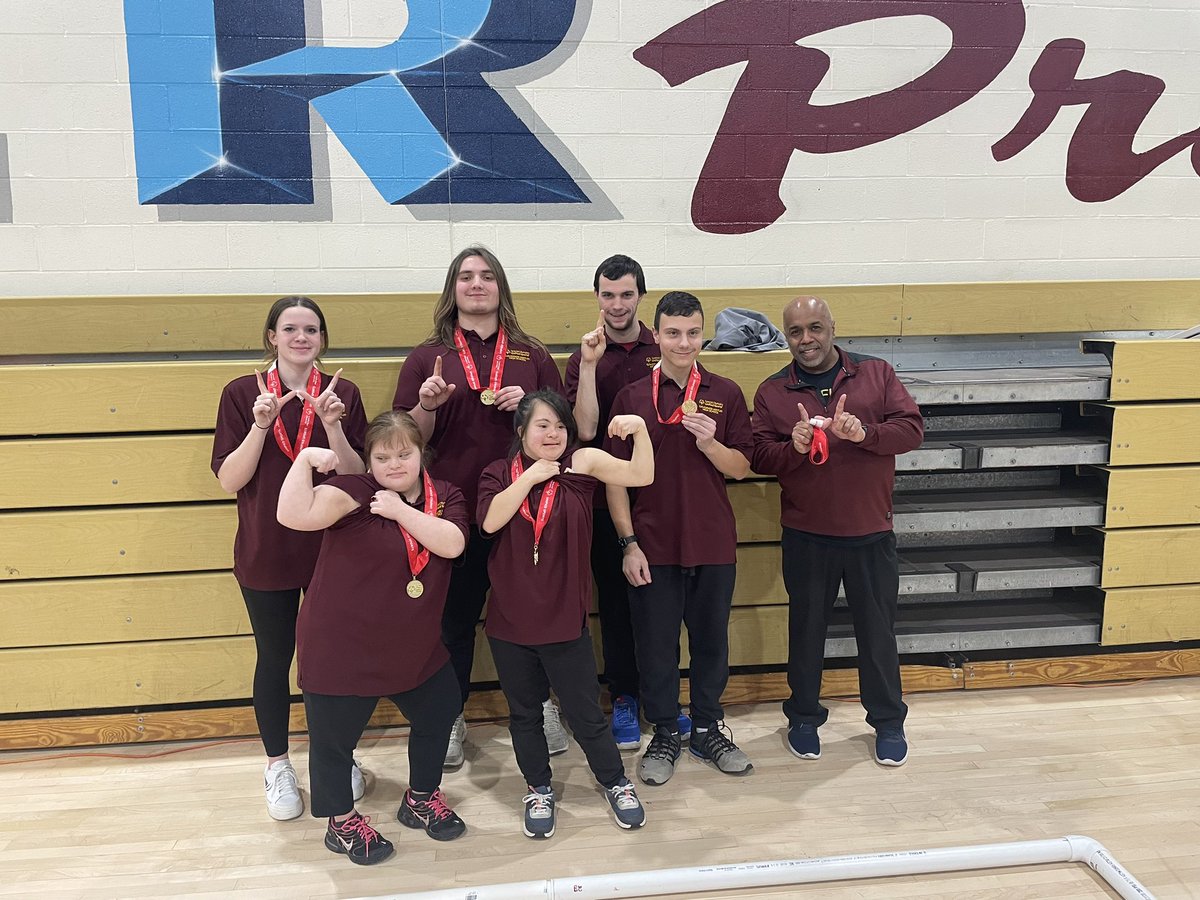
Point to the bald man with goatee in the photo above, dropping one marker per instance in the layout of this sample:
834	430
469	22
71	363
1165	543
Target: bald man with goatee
829	425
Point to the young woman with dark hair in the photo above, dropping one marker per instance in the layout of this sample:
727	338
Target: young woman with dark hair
537	505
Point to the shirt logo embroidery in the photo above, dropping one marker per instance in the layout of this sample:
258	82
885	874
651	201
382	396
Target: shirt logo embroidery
518	355
711	406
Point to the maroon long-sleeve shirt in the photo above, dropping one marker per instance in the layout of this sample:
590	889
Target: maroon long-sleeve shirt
851	494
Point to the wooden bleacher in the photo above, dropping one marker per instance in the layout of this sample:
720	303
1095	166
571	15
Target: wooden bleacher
1049	506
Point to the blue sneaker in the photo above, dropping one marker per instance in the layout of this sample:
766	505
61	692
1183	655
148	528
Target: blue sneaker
685	726
625	805
891	749
804	742
626	730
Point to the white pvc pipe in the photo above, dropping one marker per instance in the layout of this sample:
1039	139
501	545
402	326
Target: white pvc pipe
653	883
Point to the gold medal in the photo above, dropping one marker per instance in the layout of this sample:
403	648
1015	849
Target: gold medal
487	396
688	407
415	589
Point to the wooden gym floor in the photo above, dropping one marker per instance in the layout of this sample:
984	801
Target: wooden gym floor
1120	763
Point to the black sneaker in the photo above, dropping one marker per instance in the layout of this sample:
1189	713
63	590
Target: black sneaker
433	814
658	762
712	746
358	840
539	812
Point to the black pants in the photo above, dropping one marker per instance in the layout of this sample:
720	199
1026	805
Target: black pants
526	675
812	572
273	619
469	585
336	723
699	597
612	600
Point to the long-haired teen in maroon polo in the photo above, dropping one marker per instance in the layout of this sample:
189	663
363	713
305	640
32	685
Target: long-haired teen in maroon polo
263	421
537	505
461	387
370	626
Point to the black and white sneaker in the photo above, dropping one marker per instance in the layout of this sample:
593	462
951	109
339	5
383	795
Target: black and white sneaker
358	840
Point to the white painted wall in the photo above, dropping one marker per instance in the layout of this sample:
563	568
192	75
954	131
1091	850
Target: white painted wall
931	205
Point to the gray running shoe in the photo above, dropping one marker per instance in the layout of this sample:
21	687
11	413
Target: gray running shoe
556	736
712	746
454	750
658	762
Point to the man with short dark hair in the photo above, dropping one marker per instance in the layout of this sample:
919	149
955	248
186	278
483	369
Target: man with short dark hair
829	425
620	351
680	539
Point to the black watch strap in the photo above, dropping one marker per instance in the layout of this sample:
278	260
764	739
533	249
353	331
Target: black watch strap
624	542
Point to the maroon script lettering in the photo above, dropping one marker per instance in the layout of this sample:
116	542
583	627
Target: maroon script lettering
770	114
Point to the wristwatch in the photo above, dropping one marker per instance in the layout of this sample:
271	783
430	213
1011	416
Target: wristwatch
624	542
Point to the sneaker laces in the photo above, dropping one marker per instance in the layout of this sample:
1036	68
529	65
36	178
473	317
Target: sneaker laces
663	746
623	714
359	826
283	779
715	742
436	804
539	804
551	715
624	795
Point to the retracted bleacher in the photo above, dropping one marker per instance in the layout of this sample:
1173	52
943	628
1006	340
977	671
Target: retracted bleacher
1053	509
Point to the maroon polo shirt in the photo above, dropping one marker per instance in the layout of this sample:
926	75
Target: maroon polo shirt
684	518
850	495
620	365
359	633
266	555
468	435
547	603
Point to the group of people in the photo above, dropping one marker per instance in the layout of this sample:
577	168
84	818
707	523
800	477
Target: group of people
492	480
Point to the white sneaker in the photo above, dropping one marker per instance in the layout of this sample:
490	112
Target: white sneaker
556	736
283	792
358	785
454	750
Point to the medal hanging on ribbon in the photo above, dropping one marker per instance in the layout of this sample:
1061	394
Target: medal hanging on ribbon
418	556
691	389
487	396
544	505
307	417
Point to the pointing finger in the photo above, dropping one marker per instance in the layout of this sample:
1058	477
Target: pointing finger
289	395
841	406
803	413
600	323
437	367
262	387
333	382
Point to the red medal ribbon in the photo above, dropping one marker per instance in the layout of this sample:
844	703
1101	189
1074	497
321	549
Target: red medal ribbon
818	449
689	393
418	556
468	362
544	506
307	418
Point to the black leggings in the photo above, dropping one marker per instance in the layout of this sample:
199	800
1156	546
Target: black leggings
273	618
336	723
